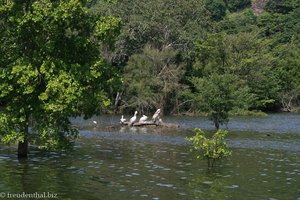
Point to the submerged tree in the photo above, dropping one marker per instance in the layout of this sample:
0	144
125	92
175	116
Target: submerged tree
210	149
51	70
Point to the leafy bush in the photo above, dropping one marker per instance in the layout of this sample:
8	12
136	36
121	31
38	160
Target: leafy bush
210	149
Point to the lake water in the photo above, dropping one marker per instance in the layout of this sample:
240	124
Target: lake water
113	162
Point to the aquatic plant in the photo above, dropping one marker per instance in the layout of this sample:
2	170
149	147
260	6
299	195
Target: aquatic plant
210	149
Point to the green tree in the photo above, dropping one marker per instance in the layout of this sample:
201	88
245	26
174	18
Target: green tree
151	78
242	55
280	27
288	71
212	40
51	71
210	149
162	24
219	94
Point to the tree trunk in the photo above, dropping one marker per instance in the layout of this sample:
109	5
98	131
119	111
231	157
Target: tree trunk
118	99
217	124
23	145
23	148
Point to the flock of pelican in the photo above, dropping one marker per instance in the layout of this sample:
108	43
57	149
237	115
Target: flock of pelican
133	119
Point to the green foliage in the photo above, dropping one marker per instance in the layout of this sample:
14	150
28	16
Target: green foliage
50	53
51	69
281	6
217	8
233	72
161	24
288	72
150	79
235	5
212	37
281	27
211	149
107	28
243	56
239	22
219	94
282	30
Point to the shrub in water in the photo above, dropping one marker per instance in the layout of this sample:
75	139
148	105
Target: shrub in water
210	149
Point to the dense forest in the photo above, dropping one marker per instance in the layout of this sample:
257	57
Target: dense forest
62	59
186	56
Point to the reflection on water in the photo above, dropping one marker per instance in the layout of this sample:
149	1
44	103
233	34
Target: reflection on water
113	162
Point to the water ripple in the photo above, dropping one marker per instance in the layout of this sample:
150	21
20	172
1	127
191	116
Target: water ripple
287	145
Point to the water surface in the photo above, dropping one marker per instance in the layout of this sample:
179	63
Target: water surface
113	162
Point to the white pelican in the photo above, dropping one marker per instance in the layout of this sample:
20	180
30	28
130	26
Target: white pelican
144	118
122	119
156	115
133	119
160	120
